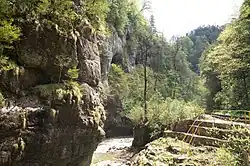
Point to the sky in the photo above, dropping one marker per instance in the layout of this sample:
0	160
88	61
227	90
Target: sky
177	17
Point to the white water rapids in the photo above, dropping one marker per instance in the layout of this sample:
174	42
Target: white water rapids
112	152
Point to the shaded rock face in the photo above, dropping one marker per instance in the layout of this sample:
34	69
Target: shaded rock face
45	136
48	51
116	124
116	49
47	122
141	136
111	47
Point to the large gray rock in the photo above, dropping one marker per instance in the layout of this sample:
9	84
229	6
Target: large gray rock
65	133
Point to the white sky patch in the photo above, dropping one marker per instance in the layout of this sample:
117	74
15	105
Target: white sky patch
177	17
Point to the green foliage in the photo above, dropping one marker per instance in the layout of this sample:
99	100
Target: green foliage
8	32
226	64
74	88
201	37
162	80
46	91
73	73
96	11
239	145
136	114
135	88
52	92
117	15
2	100
59	12
118	81
6	64
163	112
173	76
225	158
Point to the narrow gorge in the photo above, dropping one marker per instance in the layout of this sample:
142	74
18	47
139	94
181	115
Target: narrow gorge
94	82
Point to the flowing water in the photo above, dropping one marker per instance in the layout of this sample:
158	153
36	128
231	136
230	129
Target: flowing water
113	152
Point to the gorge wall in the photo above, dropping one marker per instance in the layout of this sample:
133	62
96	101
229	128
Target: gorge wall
54	85
50	119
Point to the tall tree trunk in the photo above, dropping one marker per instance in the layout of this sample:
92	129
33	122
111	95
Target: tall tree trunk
175	68
246	91
60	74
245	158
155	85
145	85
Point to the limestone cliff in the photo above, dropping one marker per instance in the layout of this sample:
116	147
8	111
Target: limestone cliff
116	49
49	117
54	113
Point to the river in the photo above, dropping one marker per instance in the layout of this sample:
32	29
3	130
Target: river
113	152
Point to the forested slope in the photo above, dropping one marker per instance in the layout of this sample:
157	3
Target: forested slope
226	65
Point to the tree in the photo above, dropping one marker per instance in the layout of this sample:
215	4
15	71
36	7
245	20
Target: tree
117	16
201	37
8	34
230	60
152	23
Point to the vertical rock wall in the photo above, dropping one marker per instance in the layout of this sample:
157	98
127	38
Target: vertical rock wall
50	120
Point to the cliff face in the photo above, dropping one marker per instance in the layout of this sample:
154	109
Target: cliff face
116	124
50	119
54	113
116	49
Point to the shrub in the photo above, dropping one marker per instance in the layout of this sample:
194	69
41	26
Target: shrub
162	113
118	14
225	158
118	81
96	11
73	73
239	144
2	101
136	114
169	111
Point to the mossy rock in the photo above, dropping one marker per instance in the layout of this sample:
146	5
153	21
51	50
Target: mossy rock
171	151
69	91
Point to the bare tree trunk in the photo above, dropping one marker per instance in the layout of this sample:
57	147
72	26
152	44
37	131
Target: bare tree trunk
60	74
145	85
156	80
245	158
175	68
246	90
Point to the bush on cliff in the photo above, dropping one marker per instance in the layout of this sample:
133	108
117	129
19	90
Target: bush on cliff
2	102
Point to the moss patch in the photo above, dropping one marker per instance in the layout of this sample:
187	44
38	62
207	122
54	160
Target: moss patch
59	91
